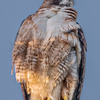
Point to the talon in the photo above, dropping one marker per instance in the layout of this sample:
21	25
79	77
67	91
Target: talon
48	98
65	97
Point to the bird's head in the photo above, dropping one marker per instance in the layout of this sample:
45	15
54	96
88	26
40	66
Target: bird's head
68	3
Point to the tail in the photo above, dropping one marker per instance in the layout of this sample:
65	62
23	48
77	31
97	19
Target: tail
26	96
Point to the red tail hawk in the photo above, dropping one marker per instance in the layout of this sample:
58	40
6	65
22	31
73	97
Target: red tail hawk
49	53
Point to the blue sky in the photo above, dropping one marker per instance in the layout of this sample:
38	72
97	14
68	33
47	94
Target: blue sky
12	13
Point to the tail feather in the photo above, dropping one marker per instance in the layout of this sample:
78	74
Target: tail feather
26	96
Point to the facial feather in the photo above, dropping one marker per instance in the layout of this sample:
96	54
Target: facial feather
68	3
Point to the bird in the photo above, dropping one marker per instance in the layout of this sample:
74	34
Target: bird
49	53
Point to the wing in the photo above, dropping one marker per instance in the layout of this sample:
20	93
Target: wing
26	50
19	54
82	64
25	53
21	41
63	66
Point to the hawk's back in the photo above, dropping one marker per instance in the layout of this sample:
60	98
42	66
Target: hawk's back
44	41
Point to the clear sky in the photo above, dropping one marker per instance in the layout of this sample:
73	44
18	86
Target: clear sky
12	13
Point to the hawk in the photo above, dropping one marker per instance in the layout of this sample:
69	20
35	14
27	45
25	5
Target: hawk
49	53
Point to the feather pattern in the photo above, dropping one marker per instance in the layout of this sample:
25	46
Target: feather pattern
78	90
49	54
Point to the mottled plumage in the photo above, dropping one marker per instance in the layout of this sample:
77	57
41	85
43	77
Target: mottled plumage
49	53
